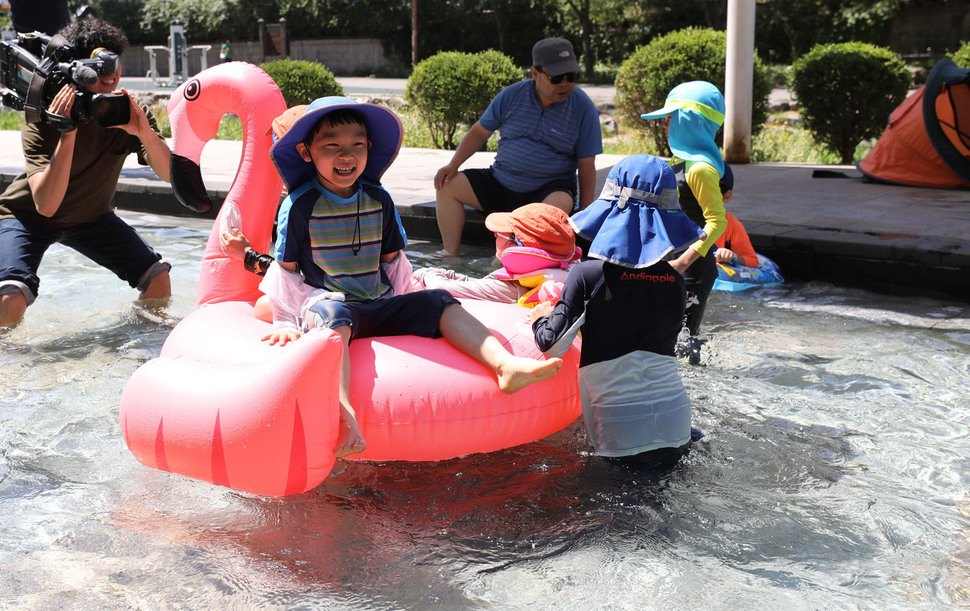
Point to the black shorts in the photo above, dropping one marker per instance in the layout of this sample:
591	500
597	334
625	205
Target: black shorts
415	313
496	198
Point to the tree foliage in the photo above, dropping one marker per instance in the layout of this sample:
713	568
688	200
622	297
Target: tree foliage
787	29
605	31
847	91
301	82
511	26
615	28
691	54
961	56
453	89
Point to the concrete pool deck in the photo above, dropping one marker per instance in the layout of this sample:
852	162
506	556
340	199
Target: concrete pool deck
892	239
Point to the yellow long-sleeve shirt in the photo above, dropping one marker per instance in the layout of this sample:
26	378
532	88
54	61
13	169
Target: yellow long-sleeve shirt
703	180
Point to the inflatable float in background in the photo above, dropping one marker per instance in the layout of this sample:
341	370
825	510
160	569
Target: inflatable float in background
220	405
741	278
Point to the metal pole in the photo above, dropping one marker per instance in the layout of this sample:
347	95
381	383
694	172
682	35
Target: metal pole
739	81
414	32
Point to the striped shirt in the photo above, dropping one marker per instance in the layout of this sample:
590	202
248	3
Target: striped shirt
537	144
336	242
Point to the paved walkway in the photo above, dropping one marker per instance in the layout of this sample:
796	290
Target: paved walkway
891	238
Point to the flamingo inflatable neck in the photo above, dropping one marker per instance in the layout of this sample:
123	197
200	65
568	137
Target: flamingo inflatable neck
195	110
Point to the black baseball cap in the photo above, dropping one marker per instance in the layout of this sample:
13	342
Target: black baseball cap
555	55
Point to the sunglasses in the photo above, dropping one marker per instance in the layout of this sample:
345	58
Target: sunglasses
555	80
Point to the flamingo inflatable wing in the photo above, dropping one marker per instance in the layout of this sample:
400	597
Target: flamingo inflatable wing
221	405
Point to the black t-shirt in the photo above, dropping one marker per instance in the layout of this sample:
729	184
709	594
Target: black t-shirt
47	16
626	310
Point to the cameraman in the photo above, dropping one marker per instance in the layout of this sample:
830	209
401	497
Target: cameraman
64	194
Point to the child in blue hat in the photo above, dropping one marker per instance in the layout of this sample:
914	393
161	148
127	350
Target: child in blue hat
336	227
628	302
696	113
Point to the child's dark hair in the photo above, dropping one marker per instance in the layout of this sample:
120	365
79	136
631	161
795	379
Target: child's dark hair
341	116
91	33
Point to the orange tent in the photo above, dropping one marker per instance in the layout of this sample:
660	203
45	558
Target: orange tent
927	141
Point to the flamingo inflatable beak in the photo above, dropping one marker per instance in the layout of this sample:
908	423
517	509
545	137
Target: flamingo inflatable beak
186	176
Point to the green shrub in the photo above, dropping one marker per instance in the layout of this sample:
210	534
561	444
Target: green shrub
962	55
160	112
691	54
781	142
451	89
847	91
10	119
301	82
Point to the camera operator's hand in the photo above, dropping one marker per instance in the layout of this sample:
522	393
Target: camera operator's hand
158	154
49	186
63	102
138	124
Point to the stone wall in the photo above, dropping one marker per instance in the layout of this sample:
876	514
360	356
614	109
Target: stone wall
340	55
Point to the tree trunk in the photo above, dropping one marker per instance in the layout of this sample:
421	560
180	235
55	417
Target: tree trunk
589	60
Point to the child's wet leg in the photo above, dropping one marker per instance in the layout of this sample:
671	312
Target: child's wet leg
468	334
350	440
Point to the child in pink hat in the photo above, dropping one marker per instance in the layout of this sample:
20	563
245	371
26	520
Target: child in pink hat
537	247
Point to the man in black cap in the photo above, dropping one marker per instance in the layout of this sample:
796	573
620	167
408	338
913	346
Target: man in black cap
549	130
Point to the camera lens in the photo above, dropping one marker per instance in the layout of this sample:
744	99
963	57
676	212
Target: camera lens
111	110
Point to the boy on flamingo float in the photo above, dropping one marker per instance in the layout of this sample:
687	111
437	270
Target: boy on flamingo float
336	228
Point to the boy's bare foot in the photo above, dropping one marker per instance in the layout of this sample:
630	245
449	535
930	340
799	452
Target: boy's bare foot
350	440
519	372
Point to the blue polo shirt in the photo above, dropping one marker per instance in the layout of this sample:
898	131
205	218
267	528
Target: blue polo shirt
539	144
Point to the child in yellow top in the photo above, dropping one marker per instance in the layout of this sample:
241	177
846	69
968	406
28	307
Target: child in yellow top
695	112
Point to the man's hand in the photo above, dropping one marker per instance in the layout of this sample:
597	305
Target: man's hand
138	125
49	186
63	102
157	152
444	175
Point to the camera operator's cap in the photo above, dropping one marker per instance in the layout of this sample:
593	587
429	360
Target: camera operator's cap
637	219
537	226
555	55
383	130
697	113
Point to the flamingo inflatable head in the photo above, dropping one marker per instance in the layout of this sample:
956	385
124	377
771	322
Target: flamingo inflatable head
194	110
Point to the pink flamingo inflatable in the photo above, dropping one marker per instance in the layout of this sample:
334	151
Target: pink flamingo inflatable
219	404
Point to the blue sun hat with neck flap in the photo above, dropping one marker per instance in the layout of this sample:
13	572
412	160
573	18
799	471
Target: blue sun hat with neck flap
697	113
383	130
637	220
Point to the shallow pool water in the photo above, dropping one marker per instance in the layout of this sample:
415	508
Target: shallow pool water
832	474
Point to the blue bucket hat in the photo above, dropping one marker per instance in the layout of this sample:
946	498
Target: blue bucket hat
697	110
383	130
637	219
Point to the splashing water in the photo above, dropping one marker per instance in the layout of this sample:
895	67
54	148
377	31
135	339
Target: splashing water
831	474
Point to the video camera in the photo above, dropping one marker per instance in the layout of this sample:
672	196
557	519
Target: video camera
36	66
